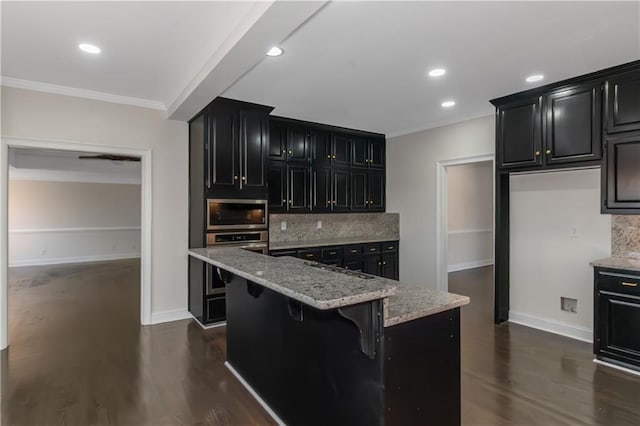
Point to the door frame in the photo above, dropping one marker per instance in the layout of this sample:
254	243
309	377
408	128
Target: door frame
442	240
145	217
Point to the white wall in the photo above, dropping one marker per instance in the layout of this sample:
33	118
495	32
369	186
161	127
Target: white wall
470	215
37	115
62	222
546	262
411	187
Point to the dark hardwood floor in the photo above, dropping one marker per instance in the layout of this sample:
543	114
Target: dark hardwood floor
79	357
515	375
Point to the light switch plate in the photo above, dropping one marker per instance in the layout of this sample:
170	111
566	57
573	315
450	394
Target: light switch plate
319	224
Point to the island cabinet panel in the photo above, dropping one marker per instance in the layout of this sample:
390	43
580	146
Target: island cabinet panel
623	102
621	174
616	317
422	371
573	124
519	133
306	364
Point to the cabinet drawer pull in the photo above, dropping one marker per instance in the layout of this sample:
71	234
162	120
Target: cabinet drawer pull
390	248
309	255
354	251
630	284
372	249
332	252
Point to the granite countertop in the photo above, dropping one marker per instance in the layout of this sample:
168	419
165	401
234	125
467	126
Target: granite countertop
618	263
294	278
324	289
283	245
412	302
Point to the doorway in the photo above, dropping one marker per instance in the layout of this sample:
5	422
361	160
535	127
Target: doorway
465	215
67	150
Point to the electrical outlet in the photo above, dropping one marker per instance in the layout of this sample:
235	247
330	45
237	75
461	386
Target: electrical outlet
283	226
568	304
319	224
573	231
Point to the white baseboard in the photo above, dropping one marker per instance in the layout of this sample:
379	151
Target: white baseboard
169	316
469	265
617	367
71	259
210	326
552	326
255	394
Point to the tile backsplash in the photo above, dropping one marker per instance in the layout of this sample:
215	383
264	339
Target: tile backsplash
625	236
304	227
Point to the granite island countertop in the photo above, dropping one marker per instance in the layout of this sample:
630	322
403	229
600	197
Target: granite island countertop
285	245
618	263
325	289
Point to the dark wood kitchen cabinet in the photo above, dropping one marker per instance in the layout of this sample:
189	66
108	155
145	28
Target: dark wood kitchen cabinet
519	133
380	259
345	168
621	174
236	144
622	94
573	124
616	317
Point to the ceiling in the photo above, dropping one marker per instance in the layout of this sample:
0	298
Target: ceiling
354	64
364	64
150	50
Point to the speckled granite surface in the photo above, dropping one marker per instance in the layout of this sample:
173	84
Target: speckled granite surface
292	277
412	302
324	289
618	263
625	236
303	227
321	243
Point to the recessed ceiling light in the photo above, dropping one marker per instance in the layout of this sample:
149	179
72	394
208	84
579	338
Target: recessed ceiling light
534	78
275	51
89	48
448	104
437	72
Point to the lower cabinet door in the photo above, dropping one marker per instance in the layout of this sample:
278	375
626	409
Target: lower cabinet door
390	265
371	264
618	318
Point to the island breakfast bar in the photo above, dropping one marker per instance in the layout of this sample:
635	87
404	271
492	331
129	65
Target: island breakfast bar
319	345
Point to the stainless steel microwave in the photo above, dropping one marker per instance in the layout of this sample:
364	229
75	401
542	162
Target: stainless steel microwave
236	214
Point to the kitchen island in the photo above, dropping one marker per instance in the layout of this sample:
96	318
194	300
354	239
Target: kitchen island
318	345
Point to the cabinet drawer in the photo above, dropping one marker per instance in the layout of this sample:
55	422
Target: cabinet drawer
370	248
310	254
353	251
332	253
618	282
389	246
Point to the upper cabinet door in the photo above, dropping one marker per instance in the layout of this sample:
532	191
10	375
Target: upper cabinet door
277	187
322	148
299	193
321	187
223	148
573	129
341	182
254	138
519	134
376	153
359	193
621	173
623	102
360	151
298	143
376	191
277	141
341	150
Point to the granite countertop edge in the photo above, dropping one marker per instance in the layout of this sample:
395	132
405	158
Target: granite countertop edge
617	263
327	242
402	318
322	305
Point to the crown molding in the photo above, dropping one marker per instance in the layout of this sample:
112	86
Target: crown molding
80	93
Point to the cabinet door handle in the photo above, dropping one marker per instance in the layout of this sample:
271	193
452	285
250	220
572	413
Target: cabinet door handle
290	202
548	151
379	263
630	284
244	178
284	201
328	202
334	157
290	152
366	202
384	263
334	202
328	156
537	153
235	178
